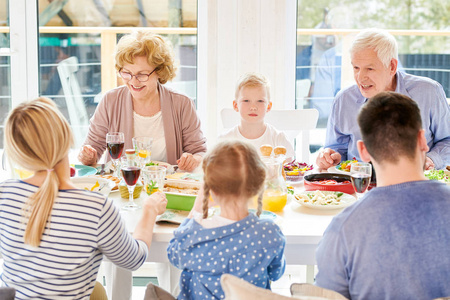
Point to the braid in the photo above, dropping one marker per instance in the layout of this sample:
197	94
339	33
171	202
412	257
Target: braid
205	201
259	208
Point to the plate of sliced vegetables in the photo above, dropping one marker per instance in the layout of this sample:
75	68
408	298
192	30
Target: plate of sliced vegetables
325	200
343	167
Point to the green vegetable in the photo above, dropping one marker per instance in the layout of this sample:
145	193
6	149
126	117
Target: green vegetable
437	175
151	187
151	164
338	194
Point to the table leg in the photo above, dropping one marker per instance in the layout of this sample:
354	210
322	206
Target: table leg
119	282
168	278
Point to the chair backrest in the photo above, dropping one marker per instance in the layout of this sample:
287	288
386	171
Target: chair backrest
299	290
7	293
295	123
236	288
302	87
78	116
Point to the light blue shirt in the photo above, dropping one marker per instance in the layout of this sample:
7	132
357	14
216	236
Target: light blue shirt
343	130
392	244
251	249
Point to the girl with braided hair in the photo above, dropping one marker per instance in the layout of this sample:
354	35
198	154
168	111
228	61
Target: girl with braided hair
235	241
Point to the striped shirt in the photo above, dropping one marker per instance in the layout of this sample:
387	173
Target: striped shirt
83	227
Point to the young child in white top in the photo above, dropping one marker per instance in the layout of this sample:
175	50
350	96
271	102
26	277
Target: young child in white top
236	241
252	102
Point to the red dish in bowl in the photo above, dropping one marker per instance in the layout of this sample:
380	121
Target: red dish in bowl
329	182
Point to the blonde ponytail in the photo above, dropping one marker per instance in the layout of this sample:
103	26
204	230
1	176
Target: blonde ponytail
39	209
38	118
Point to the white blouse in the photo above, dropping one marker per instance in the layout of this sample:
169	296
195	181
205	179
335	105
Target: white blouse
152	127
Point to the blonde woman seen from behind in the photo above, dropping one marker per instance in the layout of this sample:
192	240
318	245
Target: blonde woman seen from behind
54	235
235	240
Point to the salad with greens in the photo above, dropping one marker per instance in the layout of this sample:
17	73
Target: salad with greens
440	175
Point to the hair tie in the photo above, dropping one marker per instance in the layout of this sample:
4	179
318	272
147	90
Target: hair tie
50	170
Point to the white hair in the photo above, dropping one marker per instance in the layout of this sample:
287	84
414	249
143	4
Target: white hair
379	40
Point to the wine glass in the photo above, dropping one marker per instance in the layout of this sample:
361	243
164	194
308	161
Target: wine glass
130	174
115	142
360	173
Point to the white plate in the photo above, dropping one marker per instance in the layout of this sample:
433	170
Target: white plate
335	170
345	200
88	182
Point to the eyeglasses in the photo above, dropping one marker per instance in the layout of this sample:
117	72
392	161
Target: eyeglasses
139	77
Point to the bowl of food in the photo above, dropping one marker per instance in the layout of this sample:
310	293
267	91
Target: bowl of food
329	182
295	171
181	191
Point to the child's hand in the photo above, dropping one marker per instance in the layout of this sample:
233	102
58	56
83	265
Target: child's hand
156	202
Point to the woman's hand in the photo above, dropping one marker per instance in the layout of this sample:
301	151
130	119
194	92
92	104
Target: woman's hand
87	155
189	162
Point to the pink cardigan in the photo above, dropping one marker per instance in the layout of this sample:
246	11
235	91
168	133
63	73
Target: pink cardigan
181	124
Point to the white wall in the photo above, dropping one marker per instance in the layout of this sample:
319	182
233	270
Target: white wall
238	36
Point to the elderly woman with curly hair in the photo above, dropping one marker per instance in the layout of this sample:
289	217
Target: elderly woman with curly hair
145	107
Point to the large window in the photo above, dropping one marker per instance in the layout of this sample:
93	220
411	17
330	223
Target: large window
5	68
324	33
77	40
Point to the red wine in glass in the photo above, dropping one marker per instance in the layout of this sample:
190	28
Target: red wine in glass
360	182
131	175
115	149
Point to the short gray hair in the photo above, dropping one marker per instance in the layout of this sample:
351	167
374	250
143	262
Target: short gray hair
379	40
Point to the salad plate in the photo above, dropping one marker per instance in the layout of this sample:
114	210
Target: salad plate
324	200
439	175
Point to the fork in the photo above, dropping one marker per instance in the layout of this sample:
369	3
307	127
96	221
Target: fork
102	186
102	171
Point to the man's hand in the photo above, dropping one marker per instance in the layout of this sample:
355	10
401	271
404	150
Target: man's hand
189	162
87	155
327	158
429	164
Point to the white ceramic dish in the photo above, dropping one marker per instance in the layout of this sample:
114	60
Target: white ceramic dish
336	170
345	200
87	183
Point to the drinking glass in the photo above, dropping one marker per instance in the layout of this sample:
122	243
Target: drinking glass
115	142
143	147
154	178
130	174
360	173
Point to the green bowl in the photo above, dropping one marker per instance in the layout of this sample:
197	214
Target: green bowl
180	201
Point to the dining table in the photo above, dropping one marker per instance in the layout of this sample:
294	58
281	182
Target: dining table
302	226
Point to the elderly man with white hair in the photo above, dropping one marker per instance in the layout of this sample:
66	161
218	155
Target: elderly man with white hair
374	56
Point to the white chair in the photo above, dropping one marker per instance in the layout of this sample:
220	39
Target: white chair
295	123
76	108
302	88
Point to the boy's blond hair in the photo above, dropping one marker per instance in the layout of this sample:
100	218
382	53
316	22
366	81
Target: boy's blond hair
252	80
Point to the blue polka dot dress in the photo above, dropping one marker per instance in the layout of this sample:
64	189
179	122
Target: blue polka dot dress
252	249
